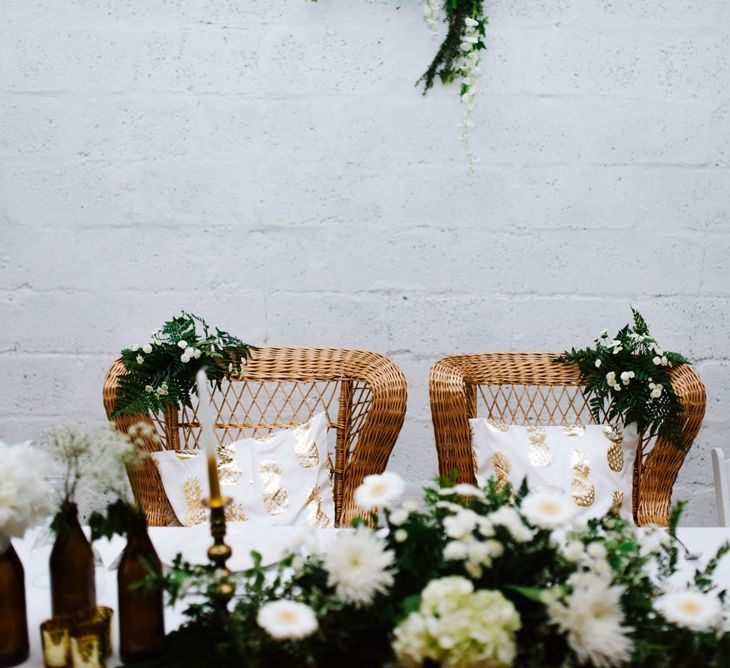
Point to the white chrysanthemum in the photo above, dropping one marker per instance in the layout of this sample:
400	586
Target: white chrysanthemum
358	565
691	609
593	624
456	626
287	620
379	491
547	510
147	348
24	493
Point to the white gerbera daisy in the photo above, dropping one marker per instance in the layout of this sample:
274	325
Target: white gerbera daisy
593	624
691	609
358	565
547	510
379	491
287	620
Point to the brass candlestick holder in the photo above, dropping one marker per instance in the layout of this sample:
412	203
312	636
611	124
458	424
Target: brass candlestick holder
219	552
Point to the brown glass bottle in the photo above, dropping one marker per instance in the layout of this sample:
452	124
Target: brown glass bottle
141	616
72	567
13	619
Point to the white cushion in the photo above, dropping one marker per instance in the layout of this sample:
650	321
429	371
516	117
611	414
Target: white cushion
593	464
281	479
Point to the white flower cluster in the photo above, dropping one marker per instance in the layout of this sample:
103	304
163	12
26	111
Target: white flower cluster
626	378
469	68
161	391
189	352
100	458
660	359
432	13
473	536
591	558
656	389
592	620
24	493
457	626
359	566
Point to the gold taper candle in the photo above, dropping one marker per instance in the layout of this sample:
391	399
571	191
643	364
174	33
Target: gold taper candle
205	418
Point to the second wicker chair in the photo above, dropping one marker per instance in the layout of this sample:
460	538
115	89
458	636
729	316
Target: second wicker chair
529	388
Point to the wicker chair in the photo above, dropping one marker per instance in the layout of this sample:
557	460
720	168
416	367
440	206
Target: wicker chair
363	393
528	388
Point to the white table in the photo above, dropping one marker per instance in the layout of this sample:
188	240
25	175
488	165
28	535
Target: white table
35	561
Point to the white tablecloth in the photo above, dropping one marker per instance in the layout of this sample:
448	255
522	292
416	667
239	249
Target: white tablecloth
35	561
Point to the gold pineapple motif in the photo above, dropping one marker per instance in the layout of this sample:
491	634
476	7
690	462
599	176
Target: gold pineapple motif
538	452
193	495
582	489
497	425
474	459
276	498
574	429
235	513
306	449
315	515
502	467
615	450
617	502
263	440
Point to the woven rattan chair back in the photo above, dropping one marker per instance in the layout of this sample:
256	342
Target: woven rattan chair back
529	388
363	394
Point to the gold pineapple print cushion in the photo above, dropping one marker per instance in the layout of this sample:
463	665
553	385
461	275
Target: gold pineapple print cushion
281	478
591	464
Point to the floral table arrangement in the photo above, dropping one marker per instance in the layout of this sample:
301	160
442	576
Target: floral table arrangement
486	577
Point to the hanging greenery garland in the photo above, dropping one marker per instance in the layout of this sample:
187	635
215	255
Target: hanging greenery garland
457	59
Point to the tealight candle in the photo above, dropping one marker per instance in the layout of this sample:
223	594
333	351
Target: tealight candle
208	440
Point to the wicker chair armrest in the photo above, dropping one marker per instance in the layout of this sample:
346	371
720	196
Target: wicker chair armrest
379	430
660	469
451	406
146	483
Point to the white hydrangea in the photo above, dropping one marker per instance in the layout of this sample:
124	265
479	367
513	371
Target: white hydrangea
24	493
456	626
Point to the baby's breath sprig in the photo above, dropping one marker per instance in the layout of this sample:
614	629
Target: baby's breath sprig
627	378
161	372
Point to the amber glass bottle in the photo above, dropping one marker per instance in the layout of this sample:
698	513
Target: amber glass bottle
13	619
72	566
141	618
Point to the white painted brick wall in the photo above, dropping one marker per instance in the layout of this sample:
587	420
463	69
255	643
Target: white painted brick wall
270	164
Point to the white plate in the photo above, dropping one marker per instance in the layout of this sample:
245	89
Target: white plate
271	542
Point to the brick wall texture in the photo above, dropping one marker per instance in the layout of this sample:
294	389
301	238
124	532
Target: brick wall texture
271	165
